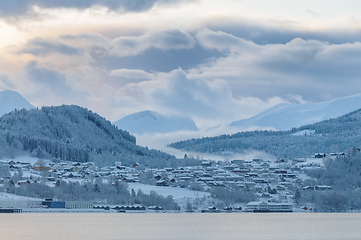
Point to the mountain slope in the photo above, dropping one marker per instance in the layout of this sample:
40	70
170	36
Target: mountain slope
338	134
286	116
71	133
10	100
152	122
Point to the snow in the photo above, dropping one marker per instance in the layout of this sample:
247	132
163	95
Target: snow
311	163
305	133
10	100
152	122
286	116
176	192
12	197
26	159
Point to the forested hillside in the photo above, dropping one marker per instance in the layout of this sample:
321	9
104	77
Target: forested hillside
342	174
75	134
334	135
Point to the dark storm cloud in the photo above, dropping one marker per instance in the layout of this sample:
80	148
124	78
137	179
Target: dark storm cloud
18	8
43	47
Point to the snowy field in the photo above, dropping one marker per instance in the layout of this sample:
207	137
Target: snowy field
23	159
12	197
176	192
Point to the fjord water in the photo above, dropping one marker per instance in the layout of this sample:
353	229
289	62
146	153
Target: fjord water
180	226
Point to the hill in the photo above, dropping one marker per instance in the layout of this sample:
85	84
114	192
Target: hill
286	116
10	100
153	122
75	134
337	134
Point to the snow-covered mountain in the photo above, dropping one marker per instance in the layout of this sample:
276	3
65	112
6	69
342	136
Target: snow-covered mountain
73	133
333	135
10	100
153	122
286	116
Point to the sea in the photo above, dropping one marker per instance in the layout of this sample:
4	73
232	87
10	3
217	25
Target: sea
108	226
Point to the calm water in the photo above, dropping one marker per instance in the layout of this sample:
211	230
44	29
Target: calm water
179	226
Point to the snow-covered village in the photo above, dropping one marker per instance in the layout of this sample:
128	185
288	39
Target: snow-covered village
262	185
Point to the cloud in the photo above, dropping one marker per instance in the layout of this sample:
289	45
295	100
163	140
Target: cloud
223	41
19	8
159	51
131	73
48	81
312	69
5	82
164	40
208	103
281	32
44	47
85	39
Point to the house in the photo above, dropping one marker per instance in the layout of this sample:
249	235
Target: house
211	210
320	155
242	171
15	167
41	167
156	208
51	179
23	182
162	182
72	175
205	179
229	167
206	163
238	162
322	188
130	208
257	188
135	165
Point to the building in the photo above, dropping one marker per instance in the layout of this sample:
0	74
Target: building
21	204
78	204
268	207
48	203
54	204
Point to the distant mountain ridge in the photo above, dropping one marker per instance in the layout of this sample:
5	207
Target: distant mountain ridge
153	122
72	133
333	135
10	100
286	116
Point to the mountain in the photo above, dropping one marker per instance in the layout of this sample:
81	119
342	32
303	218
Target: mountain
10	100
73	133
153	122
286	116
333	135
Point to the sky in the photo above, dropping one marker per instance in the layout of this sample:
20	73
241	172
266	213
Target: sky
213	61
